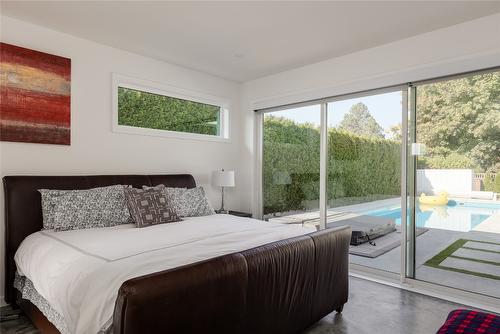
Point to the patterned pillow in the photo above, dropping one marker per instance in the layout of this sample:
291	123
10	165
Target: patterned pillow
49	200
192	202
162	187
149	207
171	195
187	202
97	207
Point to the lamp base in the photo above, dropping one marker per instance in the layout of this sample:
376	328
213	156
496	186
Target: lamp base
222	211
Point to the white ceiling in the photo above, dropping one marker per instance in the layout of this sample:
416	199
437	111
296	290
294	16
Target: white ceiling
246	40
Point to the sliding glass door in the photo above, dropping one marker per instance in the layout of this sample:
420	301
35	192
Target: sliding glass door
361	137
456	230
290	165
414	170
364	175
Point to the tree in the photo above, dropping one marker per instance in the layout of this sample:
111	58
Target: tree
461	116
394	132
359	121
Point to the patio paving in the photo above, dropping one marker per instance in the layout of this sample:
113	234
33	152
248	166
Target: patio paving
428	245
432	243
491	225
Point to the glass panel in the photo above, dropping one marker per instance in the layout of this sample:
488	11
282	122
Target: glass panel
364	176
457	211
291	157
153	111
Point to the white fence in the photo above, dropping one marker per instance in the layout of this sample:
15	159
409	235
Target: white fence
456	182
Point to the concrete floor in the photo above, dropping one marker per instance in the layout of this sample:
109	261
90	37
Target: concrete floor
372	308
378	308
21	325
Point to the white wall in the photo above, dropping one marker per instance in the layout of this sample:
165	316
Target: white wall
456	182
464	47
95	149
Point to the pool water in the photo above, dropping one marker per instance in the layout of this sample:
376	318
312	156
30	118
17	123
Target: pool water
456	216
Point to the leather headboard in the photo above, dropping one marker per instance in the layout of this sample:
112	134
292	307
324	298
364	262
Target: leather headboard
23	210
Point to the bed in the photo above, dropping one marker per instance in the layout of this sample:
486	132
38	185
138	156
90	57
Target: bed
216	273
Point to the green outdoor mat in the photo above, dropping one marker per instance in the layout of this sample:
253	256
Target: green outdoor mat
485	263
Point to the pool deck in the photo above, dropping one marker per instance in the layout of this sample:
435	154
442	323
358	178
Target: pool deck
428	245
490	225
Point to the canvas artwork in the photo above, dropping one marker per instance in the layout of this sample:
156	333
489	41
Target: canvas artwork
35	92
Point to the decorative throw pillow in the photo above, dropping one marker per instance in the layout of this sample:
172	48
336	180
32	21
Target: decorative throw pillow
49	200
149	207
192	202
171	195
187	202
97	207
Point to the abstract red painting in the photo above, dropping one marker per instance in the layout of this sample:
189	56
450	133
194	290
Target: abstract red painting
35	92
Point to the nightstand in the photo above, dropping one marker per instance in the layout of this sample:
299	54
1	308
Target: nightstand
240	214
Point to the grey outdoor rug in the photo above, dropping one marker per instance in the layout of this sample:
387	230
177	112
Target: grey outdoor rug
382	244
358	222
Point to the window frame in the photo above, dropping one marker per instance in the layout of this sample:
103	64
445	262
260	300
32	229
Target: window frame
119	80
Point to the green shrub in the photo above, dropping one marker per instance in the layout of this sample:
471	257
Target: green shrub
489	182
492	182
357	166
148	110
453	160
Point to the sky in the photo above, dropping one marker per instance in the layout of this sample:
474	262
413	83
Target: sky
385	108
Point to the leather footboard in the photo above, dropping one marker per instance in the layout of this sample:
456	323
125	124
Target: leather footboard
281	287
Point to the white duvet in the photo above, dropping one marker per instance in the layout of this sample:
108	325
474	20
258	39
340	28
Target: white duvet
79	272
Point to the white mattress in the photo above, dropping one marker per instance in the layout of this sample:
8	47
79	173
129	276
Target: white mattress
79	272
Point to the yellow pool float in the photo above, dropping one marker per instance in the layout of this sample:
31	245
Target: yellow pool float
442	199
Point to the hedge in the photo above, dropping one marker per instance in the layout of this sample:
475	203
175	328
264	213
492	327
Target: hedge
492	182
453	160
358	166
152	111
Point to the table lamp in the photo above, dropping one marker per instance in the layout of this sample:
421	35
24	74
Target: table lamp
223	178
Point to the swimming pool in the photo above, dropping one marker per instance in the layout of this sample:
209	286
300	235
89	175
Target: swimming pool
457	215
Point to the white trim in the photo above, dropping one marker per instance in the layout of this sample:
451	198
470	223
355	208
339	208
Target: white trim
411	237
377	275
258	210
426	288
323	165
404	182
119	80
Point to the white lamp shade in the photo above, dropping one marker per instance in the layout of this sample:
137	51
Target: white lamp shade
223	178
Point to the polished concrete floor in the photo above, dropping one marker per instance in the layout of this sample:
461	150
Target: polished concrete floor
377	308
372	308
15	325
